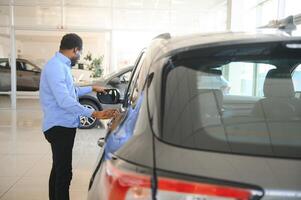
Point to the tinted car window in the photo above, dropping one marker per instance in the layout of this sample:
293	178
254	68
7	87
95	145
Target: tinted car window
252	118
30	67
132	91
297	78
4	65
132	95
125	78
20	66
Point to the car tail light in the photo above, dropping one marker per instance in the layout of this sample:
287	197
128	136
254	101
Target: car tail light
125	185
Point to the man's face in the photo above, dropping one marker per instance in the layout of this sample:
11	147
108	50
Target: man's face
77	52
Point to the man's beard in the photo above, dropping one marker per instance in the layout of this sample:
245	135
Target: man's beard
74	61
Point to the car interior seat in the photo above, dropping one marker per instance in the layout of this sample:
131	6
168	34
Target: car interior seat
280	111
279	101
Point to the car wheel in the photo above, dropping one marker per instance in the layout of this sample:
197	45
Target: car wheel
88	122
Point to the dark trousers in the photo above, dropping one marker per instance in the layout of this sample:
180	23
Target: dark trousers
61	140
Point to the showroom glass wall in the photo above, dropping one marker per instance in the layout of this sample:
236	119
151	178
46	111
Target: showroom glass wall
246	78
5	71
114	29
119	29
5	51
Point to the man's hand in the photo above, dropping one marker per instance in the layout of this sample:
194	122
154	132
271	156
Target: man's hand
105	114
100	89
115	122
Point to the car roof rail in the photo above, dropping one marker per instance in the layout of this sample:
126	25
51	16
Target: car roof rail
287	24
164	36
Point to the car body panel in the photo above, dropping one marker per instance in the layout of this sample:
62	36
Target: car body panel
279	177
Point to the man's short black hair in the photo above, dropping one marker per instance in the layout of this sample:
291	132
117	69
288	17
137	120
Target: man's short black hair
71	41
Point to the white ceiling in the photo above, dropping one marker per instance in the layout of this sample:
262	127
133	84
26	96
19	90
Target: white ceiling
158	4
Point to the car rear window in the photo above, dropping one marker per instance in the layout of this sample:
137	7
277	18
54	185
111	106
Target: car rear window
236	99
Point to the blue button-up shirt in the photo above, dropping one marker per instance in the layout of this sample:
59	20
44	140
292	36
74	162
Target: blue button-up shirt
59	96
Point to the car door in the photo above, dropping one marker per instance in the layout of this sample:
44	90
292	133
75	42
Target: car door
130	93
22	82
5	75
121	128
32	75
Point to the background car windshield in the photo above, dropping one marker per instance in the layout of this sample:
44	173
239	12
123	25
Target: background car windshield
238	100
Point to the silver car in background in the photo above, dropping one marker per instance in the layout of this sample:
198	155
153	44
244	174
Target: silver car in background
28	75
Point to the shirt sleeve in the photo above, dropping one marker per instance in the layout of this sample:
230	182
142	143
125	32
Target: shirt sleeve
80	91
55	77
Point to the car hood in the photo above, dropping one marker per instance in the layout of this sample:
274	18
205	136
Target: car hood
100	82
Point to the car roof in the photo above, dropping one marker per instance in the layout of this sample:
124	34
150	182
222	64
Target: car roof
22	60
178	44
19	59
164	46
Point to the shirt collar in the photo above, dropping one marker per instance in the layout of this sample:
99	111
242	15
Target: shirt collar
63	58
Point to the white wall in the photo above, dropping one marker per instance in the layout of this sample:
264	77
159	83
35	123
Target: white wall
4	47
37	52
39	47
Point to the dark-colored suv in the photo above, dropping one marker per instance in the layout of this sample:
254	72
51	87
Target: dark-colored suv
28	75
182	139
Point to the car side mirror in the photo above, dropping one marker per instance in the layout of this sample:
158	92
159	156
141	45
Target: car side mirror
112	96
115	81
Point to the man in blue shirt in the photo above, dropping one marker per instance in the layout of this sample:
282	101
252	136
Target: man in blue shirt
62	111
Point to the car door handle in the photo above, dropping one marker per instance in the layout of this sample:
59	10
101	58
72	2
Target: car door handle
101	142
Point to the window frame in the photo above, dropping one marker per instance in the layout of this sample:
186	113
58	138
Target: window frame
133	79
24	64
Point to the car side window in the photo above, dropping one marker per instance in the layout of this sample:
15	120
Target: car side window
137	86
131	91
135	94
4	65
125	78
30	67
297	78
131	96
20	66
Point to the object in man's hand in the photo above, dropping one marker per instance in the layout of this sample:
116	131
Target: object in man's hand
114	123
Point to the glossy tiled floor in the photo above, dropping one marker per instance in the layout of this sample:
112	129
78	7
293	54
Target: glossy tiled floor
25	157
